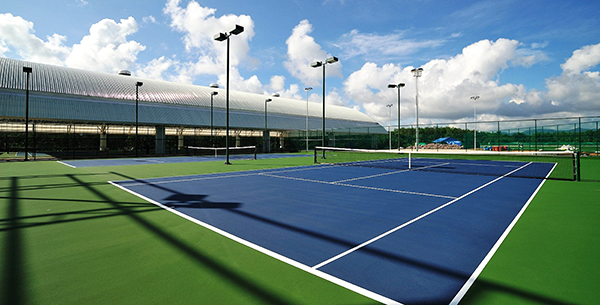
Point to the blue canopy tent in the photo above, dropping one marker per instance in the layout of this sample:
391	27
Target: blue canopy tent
448	140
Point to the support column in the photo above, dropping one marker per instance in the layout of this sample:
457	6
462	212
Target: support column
180	138
160	140
102	129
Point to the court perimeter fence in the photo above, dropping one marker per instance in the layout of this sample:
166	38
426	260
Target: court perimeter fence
71	140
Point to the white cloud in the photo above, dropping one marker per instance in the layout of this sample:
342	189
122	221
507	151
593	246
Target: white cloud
584	58
156	68
302	51
386	47
199	26
17	34
447	84
106	48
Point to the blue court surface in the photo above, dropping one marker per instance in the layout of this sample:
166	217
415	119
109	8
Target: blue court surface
397	236
161	160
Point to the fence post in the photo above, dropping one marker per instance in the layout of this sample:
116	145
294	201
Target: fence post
580	134
535	134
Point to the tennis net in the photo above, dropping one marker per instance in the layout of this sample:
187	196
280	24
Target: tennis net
558	165
244	152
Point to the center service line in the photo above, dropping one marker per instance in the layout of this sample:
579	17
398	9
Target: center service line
372	240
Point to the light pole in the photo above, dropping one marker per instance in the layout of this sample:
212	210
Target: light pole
212	94
390	125
137	86
399	86
266	135
28	71
221	37
474	98
417	73
317	64
307	89
266	144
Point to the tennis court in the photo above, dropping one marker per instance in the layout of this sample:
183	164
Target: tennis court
396	236
166	160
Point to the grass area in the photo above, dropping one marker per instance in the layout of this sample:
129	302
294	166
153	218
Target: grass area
551	255
68	237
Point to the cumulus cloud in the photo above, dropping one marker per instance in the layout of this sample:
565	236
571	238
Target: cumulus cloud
106	48
447	84
582	59
302	51
199	25
17	34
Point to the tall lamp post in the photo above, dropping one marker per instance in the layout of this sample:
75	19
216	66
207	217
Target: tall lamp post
307	89
212	94
221	37
417	73
399	86
390	125
474	98
266	135
266	140
317	64
28	71
137	86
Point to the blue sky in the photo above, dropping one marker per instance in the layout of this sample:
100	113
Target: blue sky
524	58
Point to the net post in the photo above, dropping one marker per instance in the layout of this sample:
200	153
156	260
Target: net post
315	151
254	152
409	160
578	166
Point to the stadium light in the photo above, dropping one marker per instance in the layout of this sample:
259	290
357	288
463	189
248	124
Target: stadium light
27	70
417	73
137	86
317	64
399	86
307	89
390	126
266	135
222	37
212	94
474	98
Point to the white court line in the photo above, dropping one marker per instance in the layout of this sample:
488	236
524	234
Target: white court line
69	165
289	261
390	173
461	293
356	186
372	240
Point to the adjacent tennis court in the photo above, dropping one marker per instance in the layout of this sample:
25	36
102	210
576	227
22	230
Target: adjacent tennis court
406	236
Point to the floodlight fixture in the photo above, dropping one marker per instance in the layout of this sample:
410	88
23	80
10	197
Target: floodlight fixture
221	37
214	85
237	30
332	59
316	64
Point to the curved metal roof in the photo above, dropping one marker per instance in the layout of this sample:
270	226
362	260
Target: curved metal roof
60	83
